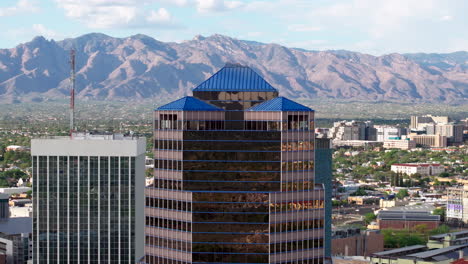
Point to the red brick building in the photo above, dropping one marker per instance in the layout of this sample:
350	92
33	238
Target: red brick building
355	242
460	261
407	220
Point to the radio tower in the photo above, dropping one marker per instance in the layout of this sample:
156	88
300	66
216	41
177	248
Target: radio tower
72	92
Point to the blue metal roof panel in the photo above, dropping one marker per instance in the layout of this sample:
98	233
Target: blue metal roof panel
235	78
189	103
280	104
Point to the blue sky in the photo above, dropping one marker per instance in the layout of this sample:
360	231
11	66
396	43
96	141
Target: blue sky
369	26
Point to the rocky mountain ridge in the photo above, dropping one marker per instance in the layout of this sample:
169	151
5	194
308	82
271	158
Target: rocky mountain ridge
140	67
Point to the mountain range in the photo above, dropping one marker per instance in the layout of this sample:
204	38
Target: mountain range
140	67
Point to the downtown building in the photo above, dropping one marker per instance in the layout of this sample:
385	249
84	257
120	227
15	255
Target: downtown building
88	202
234	178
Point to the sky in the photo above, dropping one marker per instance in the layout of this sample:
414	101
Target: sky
369	26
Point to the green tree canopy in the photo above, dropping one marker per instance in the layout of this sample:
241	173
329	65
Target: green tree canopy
402	194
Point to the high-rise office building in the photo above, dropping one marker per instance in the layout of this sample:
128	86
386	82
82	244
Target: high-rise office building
234	177
323	175
88	202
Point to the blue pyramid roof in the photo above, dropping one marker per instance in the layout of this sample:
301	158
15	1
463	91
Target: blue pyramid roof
279	104
235	78
189	103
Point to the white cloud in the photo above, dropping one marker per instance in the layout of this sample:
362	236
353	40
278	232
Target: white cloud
212	6
446	18
103	14
159	16
43	31
21	7
303	28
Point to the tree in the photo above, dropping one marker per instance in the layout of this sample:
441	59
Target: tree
402	194
359	192
442	229
444	174
441	212
15	174
369	217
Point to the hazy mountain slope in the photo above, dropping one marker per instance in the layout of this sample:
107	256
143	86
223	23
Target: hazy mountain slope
141	67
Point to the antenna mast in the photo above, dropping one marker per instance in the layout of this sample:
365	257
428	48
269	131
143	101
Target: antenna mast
72	92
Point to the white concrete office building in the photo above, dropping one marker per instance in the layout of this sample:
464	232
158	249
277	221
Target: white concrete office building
88	199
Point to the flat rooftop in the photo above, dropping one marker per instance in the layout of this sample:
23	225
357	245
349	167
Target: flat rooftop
16	225
85	144
400	251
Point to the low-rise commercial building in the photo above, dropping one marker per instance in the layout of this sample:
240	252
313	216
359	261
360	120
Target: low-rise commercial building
393	219
356	143
440	249
404	144
356	242
429	141
385	132
419	254
448	239
457	203
428	169
361	200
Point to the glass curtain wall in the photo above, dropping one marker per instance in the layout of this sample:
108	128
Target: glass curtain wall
83	209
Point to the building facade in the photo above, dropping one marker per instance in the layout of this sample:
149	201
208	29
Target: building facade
324	175
353	130
356	242
428	169
404	144
457	203
88	199
385	133
234	177
453	133
430	141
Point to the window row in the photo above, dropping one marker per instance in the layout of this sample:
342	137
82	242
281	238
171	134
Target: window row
240	145
167	204
230	258
168	184
234	96
217	165
230	217
299	205
297	165
230	197
246	125
189	125
297	186
295	226
229	135
296	245
160	260
234	247
168	243
230	227
258	186
230	207
168	223
297	145
318	260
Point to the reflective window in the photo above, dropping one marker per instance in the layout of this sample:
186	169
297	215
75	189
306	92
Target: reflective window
229	217
230	207
297	245
297	205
